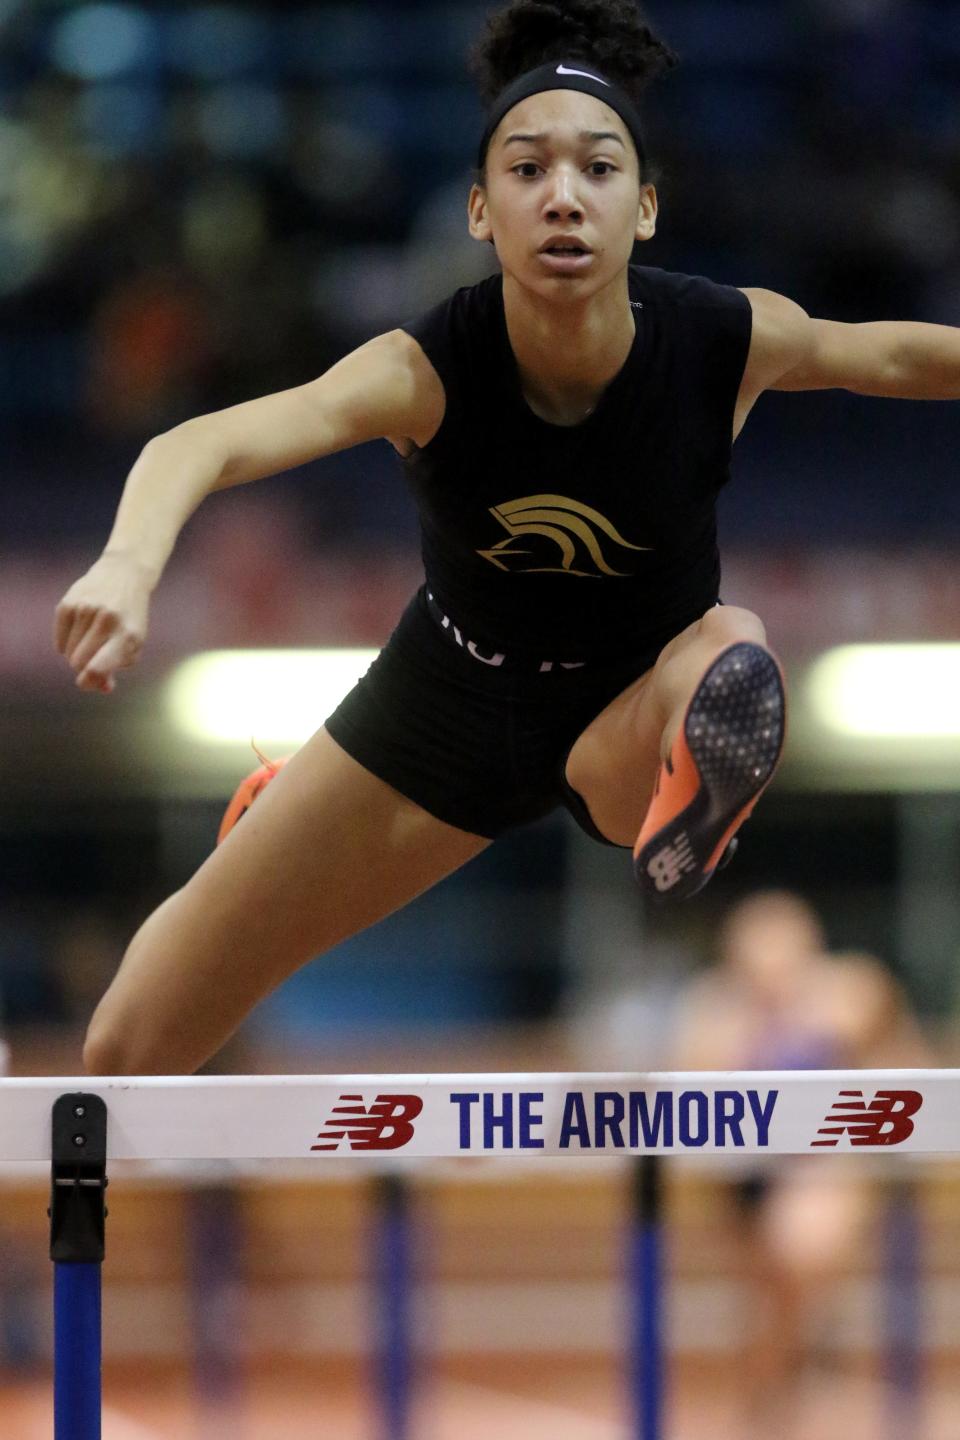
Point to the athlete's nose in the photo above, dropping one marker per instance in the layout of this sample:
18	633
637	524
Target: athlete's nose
563	200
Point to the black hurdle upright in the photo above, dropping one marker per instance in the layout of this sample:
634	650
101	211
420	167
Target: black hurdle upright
77	1240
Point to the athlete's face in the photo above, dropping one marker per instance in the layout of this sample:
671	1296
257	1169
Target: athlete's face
562	164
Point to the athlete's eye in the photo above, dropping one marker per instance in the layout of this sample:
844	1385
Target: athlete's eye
528	169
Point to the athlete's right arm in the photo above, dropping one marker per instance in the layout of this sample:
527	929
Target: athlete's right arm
385	388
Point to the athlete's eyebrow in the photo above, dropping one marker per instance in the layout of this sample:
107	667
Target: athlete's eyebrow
591	135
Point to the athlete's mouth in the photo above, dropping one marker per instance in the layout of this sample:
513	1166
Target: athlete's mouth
564	247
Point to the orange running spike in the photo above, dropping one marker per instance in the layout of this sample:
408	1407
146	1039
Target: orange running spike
721	761
245	794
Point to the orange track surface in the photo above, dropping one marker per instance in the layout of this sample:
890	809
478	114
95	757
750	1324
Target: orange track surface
572	1405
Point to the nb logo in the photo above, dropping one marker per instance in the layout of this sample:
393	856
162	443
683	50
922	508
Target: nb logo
571	528
387	1124
671	863
886	1120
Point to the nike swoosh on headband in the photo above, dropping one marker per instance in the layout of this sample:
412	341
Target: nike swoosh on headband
562	70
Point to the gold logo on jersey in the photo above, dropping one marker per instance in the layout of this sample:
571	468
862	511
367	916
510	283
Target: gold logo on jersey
569	524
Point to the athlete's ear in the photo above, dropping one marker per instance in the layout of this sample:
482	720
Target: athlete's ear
647	214
477	216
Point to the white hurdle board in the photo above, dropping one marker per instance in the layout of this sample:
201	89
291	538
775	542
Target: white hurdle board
320	1117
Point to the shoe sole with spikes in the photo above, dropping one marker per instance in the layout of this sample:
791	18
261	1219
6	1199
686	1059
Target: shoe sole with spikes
721	761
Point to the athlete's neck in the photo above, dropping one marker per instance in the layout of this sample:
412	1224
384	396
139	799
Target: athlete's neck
568	354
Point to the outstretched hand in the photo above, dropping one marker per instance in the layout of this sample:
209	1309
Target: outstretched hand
101	622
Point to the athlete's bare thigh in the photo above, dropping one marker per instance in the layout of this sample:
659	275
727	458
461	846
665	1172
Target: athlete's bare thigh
325	851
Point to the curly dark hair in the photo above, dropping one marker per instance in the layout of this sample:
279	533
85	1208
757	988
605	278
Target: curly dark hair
612	34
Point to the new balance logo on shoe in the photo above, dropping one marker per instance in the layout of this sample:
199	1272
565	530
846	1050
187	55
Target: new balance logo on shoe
670	864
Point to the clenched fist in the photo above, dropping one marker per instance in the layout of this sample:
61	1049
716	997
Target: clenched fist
101	622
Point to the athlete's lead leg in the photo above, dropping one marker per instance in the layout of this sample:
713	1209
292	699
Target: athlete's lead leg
675	764
326	850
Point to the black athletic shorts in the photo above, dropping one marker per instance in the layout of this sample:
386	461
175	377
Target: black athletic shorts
480	746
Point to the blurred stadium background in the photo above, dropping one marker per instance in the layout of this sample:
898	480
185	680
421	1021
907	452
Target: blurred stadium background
203	203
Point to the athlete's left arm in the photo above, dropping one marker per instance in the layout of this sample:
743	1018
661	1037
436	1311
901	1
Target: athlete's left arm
902	359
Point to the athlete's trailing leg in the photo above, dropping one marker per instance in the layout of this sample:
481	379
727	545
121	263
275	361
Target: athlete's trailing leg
701	734
721	757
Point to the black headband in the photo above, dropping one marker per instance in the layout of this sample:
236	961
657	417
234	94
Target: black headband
564	75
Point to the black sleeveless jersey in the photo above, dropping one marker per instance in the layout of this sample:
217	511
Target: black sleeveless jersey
585	541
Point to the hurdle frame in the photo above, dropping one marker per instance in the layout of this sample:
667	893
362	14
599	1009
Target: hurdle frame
80	1125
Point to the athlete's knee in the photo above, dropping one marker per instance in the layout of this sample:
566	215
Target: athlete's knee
727	624
106	1046
682	665
125	1035
116	1044
122	1045
579	766
101	1052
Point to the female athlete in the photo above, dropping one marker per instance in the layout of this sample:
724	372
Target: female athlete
565	428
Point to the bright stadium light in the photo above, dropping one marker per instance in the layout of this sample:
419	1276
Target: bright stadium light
897	692
279	697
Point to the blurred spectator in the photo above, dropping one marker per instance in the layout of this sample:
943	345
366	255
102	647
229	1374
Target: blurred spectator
777	1000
